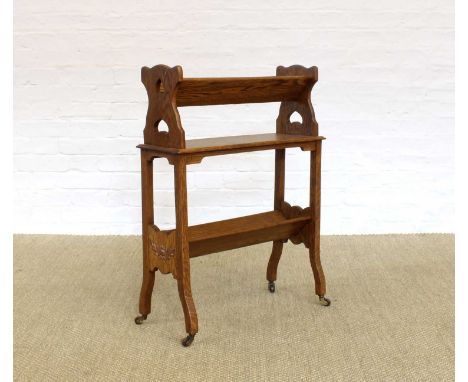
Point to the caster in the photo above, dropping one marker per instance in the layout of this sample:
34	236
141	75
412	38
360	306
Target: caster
324	301
139	320
187	341
271	286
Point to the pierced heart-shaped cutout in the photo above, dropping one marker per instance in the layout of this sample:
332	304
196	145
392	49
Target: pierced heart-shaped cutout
295	117
161	126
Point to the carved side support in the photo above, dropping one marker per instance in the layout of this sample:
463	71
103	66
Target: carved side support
161	85
290	212
162	250
303	106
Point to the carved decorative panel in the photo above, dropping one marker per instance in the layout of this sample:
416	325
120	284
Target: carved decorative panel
162	250
290	212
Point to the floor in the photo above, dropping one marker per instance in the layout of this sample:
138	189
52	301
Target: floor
391	318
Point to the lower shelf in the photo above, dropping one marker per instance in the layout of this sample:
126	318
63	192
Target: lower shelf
243	231
240	232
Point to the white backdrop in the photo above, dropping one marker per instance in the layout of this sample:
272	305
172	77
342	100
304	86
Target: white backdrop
384	101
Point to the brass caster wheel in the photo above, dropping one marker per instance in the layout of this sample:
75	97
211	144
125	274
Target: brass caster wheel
271	286
139	320
187	341
324	301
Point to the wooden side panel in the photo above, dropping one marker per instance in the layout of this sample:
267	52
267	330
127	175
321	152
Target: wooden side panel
302	105
161	82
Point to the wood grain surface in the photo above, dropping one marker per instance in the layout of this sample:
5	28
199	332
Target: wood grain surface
170	251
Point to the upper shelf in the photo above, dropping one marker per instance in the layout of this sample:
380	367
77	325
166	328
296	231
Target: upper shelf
235	90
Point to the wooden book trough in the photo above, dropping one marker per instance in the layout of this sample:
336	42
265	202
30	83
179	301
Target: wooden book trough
170	251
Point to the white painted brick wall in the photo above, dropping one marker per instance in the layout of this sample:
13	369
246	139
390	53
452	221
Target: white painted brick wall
384	100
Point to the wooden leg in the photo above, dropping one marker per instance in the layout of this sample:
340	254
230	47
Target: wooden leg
280	155
273	264
147	219
145	295
314	245
182	251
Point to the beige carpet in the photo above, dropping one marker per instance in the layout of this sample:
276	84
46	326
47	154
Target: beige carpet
391	318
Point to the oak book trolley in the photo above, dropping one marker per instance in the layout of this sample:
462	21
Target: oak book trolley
170	251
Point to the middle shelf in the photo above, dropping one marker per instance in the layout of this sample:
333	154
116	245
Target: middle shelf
238	144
